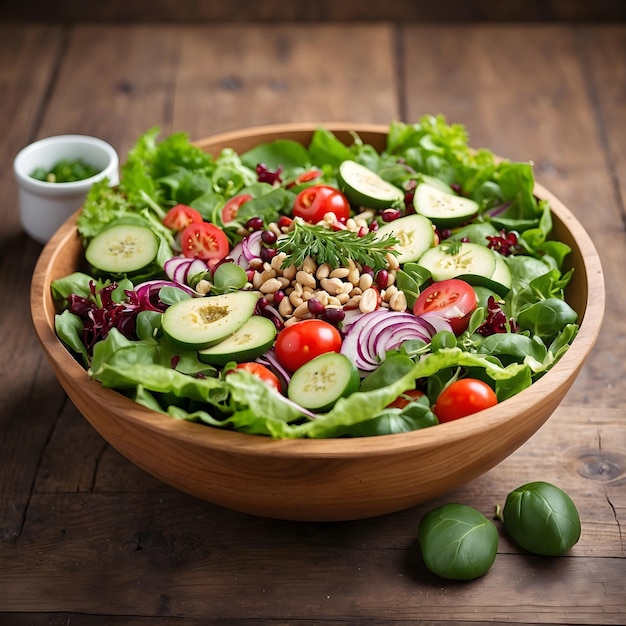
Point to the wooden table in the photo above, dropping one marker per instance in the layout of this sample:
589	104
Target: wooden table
89	539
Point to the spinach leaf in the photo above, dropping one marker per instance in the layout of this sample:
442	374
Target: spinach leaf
542	518
457	542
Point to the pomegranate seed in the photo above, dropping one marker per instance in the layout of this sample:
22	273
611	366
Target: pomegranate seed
333	315
382	278
267	254
363	231
254	223
315	306
373	226
389	215
269	236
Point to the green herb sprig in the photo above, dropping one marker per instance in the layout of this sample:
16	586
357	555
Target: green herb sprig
337	248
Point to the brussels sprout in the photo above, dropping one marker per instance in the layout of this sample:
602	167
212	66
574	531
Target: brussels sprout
457	542
542	519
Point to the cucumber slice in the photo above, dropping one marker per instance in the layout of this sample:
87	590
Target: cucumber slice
365	188
415	234
318	384
122	249
469	261
443	208
252	340
198	323
500	281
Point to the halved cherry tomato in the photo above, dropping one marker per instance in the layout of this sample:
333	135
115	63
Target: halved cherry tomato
204	241
299	343
312	203
231	208
180	216
452	299
405	398
305	177
464	397
262	372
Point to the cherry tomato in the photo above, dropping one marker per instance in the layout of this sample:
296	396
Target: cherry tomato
180	216
403	399
452	299
312	203
231	208
262	372
204	241
464	397
305	177
299	343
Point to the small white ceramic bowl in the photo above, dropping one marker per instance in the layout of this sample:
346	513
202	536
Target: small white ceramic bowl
44	206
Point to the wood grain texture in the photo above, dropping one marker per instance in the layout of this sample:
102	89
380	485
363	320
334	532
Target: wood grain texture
98	541
28	403
272	11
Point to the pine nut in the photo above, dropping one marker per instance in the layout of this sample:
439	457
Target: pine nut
332	285
340	272
369	301
354	275
271	286
309	265
268	273
322	296
365	282
302	311
257	281
285	282
392	261
306	279
285	308
398	302
289	272
323	271
295	299
273	226
277	261
343	297
389	293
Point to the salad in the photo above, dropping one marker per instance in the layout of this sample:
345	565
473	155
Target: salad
327	290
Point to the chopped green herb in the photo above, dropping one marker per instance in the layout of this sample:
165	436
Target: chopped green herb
335	247
65	171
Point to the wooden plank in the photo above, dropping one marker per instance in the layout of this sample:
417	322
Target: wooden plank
29	396
167	568
541	112
157	551
272	11
241	76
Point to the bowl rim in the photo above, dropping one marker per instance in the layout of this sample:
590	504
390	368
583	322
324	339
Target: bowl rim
222	440
45	187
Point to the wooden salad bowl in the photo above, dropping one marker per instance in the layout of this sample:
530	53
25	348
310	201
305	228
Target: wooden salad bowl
329	479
